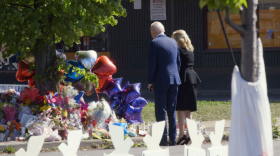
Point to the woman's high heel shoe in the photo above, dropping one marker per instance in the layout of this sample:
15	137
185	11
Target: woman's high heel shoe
187	140
182	140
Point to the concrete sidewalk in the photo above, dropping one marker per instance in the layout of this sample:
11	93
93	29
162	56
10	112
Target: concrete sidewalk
173	151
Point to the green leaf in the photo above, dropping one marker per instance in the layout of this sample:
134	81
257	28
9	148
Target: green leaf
202	3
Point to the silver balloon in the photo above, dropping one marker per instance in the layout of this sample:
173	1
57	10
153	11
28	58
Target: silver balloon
86	58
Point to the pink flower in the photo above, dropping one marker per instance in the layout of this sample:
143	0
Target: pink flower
58	101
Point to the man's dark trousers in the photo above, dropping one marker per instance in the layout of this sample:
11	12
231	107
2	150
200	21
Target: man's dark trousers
165	101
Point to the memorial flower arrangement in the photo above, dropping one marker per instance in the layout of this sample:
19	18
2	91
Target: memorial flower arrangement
46	114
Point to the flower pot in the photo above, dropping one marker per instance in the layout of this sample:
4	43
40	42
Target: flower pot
12	136
1	137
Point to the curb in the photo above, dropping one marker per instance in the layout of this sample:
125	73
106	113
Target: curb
84	143
50	145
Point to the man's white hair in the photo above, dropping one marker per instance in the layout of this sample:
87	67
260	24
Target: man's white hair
158	27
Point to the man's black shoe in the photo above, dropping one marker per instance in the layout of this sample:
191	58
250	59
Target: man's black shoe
164	144
172	143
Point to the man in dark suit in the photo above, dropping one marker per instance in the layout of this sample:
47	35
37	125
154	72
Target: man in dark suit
164	66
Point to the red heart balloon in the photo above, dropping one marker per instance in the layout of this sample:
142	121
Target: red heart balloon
103	82
31	82
104	67
22	73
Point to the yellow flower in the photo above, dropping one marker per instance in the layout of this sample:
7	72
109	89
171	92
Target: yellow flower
45	102
44	108
2	128
28	101
65	113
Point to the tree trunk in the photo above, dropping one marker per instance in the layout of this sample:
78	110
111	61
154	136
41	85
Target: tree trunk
248	32
45	56
249	56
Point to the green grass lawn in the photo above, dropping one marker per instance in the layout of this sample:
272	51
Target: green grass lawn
207	111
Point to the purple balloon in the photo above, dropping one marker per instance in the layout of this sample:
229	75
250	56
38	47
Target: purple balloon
114	104
121	110
113	88
133	114
131	92
139	102
127	83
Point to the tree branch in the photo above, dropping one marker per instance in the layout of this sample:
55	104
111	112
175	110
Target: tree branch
21	5
13	7
240	29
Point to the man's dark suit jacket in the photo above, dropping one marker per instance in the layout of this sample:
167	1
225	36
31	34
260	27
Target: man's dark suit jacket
164	62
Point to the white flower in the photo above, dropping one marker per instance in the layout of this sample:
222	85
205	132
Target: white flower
72	102
69	91
11	91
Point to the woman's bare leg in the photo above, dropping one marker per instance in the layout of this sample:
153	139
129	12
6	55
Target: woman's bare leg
189	116
181	122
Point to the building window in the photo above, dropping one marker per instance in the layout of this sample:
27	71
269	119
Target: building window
269	21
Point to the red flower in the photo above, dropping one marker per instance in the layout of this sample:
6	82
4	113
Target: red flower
29	93
39	99
107	120
66	100
83	120
94	123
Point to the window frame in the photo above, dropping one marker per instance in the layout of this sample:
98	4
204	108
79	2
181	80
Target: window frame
224	50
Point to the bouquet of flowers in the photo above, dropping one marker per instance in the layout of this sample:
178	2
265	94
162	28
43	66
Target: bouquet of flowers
10	112
99	113
2	129
44	126
29	95
10	96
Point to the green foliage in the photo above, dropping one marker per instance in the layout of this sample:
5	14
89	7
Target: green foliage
140	144
9	149
233	5
275	128
26	21
107	144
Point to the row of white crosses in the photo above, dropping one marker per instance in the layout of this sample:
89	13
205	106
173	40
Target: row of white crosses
35	145
122	146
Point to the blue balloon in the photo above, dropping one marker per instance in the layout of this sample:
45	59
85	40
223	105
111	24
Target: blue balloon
78	97
123	125
139	102
71	76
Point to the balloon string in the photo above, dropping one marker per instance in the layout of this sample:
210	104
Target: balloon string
43	86
96	92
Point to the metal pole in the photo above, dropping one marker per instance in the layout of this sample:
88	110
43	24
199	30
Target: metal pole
226	36
172	17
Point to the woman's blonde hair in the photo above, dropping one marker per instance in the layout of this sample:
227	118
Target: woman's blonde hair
183	40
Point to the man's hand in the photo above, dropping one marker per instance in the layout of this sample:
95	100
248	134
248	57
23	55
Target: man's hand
150	87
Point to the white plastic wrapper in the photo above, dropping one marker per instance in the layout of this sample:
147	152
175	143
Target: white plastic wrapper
25	110
251	129
27	120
